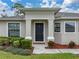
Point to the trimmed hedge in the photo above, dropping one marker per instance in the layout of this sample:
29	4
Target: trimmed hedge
26	44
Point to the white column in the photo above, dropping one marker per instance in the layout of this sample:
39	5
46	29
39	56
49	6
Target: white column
50	30
28	29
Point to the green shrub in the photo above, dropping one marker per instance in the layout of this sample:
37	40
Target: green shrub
12	39
1	42
2	47
16	43
25	52
50	44
12	50
26	44
4	41
8	49
7	42
19	51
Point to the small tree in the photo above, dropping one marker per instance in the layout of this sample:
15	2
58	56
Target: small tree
4	14
20	8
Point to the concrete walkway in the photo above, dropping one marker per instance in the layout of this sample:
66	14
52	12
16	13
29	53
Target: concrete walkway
40	49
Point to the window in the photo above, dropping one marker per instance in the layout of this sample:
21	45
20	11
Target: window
78	26
57	27
13	29
70	27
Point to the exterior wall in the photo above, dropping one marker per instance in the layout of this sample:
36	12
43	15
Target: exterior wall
39	15
23	29
58	35
70	36
28	29
4	27
65	37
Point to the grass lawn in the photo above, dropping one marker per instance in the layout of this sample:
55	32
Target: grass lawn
6	55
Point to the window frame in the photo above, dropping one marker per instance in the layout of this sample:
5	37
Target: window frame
60	27
65	27
77	26
19	28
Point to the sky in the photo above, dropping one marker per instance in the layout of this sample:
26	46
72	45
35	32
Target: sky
65	5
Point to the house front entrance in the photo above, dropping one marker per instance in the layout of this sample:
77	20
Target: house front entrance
39	32
39	36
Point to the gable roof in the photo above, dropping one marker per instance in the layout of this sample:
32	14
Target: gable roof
65	15
58	15
13	18
42	9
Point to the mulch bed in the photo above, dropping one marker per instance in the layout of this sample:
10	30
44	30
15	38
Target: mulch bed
60	46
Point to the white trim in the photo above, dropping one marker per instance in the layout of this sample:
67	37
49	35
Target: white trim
75	26
29	38
50	38
43	32
72	18
14	22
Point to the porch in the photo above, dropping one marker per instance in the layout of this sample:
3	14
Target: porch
40	24
40	30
